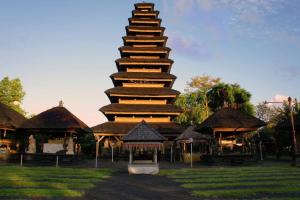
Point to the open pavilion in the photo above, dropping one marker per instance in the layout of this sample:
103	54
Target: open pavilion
232	130
10	120
54	131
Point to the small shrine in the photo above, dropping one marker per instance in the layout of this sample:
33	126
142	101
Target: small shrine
141	141
198	143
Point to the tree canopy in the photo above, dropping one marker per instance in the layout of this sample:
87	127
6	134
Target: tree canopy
231	95
12	94
205	94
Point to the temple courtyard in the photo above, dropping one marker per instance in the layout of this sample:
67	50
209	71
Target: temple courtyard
267	180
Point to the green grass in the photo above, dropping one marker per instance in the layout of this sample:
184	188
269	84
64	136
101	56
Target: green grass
48	181
278	182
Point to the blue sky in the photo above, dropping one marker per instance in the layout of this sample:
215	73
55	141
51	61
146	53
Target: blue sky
65	49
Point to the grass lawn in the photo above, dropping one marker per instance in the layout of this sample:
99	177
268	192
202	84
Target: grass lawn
278	182
48	181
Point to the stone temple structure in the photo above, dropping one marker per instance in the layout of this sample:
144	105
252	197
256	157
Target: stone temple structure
143	84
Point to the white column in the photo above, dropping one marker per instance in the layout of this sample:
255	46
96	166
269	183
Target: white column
155	155
21	162
56	160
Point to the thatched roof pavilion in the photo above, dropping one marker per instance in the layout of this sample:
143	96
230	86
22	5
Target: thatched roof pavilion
55	119
9	118
143	135
58	130
189	134
231	120
228	127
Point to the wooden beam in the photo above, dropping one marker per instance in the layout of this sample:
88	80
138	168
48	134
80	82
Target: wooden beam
158	70
139	119
143	96
143	79
144	102
234	129
141	113
143	85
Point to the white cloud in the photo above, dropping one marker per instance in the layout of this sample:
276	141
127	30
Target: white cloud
277	100
189	46
245	17
280	98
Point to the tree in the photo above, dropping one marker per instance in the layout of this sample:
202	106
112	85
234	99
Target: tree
12	94
193	107
194	101
202	84
231	95
265	112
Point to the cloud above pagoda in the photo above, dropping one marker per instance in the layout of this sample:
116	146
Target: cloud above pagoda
245	18
189	47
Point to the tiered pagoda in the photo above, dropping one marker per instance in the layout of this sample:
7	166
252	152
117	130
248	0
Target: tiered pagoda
143	84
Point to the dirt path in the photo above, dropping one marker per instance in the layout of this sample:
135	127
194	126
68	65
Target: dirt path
138	187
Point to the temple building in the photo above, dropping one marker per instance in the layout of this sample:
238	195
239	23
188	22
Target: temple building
10	120
54	131
143	84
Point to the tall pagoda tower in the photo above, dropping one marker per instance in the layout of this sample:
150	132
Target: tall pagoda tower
143	84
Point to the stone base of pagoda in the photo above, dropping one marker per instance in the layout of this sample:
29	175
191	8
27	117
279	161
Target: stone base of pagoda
143	167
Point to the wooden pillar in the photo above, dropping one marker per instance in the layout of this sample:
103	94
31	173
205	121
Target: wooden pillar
191	155
171	153
220	142
130	155
243	143
260	147
97	152
112	153
21	162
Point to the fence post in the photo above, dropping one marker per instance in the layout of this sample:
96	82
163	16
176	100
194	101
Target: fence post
56	160
21	162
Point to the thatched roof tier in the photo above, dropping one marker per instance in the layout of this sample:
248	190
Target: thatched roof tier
143	132
142	92
122	128
141	6
140	21
231	120
9	118
139	109
141	30
142	75
189	133
144	40
145	14
144	50
163	63
57	118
